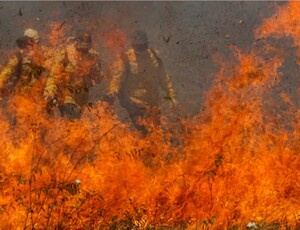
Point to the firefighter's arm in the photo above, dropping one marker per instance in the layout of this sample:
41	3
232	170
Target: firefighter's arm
170	89
50	90
8	71
117	71
98	75
166	81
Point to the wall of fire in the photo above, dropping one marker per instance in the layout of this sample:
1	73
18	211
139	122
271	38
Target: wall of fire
194	38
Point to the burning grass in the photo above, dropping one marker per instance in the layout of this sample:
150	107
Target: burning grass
96	173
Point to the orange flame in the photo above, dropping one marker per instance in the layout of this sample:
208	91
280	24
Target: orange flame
234	165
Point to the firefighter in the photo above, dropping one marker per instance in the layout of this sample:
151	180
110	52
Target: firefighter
137	77
42	53
21	81
22	70
75	69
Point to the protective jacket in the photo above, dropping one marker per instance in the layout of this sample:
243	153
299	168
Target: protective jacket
72	74
19	76
138	76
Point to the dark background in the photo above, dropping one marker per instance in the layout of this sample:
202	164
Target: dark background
189	35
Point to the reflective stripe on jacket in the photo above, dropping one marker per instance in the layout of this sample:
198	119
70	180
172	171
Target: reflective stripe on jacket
143	85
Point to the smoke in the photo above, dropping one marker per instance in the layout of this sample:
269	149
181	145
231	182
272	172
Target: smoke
189	35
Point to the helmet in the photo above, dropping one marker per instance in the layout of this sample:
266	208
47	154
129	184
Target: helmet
139	40
83	41
32	33
139	37
84	37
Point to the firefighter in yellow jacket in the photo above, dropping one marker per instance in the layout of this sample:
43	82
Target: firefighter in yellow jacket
75	70
137	77
21	80
24	68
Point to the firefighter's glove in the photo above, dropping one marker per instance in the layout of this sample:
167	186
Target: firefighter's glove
50	104
172	100
50	100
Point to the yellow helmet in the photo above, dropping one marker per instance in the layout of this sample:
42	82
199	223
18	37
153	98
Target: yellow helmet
32	33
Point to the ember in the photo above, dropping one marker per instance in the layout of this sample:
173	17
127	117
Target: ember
235	165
